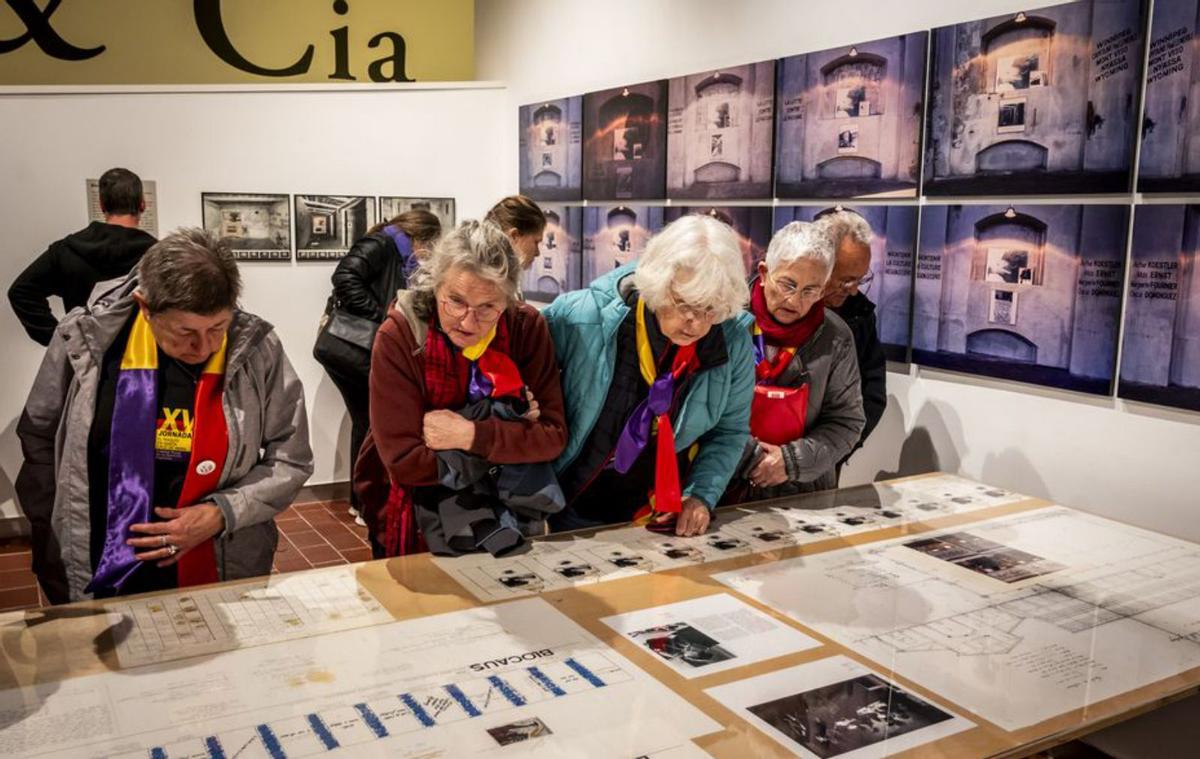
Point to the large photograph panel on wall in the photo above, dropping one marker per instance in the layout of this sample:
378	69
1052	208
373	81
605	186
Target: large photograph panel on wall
257	226
1036	102
1170	157
615	235
1027	292
751	223
850	120
889	281
720	133
327	225
625	142
551	149
390	207
1160	361
558	265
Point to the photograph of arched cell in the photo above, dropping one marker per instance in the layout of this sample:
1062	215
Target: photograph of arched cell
1035	103
615	235
1029	292
1160	360
849	120
551	149
1170	157
887	287
625	142
752	224
443	208
558	266
327	225
258	226
720	133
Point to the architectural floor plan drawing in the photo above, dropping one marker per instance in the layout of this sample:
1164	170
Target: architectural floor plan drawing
176	626
1018	618
456	684
615	554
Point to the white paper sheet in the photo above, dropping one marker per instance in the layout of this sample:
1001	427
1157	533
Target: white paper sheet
518	675
711	634
836	707
1106	608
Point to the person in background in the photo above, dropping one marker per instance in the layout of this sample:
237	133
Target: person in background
846	296
165	430
459	336
658	375
365	283
72	267
807	413
524	223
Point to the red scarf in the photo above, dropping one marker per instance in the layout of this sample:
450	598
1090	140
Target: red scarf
788	337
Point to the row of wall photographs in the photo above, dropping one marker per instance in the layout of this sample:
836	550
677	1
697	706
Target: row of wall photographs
1024	292
259	226
1040	102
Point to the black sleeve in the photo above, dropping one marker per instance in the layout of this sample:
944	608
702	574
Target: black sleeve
30	296
355	279
872	364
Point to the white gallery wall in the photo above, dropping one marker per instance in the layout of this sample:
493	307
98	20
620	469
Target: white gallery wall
405	140
1127	461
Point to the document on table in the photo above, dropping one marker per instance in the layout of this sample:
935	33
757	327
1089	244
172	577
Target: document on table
455	684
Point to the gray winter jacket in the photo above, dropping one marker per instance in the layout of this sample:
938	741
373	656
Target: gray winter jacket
834	420
268	462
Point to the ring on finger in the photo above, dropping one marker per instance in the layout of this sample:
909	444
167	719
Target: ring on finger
172	549
162	541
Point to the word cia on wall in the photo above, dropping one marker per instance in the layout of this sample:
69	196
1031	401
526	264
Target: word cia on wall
234	41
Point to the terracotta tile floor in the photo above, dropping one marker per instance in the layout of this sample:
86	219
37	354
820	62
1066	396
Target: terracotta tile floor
318	534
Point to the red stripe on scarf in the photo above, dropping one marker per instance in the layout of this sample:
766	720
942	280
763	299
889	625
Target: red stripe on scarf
210	443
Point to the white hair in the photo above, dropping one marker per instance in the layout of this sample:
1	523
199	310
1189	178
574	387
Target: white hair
697	260
802	240
841	224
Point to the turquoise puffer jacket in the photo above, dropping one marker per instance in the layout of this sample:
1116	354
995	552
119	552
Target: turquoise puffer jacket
716	411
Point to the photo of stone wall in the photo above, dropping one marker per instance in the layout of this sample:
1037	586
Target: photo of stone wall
551	149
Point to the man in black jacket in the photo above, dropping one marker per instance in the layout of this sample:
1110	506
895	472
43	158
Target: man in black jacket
845	295
73	266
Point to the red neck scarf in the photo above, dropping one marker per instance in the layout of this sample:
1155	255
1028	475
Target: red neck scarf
788	337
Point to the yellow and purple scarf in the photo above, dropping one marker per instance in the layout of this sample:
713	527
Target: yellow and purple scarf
131	459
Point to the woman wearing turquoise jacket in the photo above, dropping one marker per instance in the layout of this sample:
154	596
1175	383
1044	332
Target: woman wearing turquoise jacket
657	377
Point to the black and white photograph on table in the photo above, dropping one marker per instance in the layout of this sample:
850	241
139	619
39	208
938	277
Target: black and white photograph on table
888	282
751	223
849	120
680	641
614	235
551	149
1160	359
391	206
625	142
985	557
257	226
1021	292
327	225
720	133
559	263
1169	161
1037	102
521	730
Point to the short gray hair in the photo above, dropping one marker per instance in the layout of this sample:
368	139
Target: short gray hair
478	247
190	270
841	224
802	240
706	252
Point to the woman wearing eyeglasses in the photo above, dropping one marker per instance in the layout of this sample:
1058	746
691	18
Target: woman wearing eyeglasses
657	374
807	411
458	337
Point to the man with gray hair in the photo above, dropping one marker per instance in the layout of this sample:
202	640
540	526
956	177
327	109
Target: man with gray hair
846	295
163	424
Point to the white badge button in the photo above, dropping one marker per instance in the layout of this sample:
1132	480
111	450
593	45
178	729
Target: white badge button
206	467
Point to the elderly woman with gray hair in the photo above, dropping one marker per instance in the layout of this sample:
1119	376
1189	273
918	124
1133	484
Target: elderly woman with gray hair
455	345
807	412
658	375
164	432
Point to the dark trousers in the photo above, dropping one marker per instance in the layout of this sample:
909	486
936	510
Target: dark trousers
355	390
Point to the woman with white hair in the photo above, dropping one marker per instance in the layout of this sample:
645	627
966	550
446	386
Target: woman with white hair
657	375
807	412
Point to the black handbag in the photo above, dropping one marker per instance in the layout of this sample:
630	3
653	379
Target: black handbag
344	340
